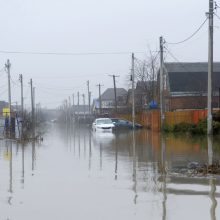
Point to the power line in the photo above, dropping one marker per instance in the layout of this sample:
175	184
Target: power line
180	63
217	16
191	36
68	54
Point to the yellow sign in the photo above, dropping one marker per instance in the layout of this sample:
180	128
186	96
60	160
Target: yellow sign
6	112
7	155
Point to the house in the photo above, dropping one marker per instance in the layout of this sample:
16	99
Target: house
145	92
81	109
108	100
186	85
108	97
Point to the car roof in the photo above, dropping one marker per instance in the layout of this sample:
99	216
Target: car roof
102	118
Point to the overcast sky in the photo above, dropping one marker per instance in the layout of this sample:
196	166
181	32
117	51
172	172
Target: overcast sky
93	26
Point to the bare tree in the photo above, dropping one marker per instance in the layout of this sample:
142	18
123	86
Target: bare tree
146	75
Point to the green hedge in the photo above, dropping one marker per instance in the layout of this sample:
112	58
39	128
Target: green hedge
199	129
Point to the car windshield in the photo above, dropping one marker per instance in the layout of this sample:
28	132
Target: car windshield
104	121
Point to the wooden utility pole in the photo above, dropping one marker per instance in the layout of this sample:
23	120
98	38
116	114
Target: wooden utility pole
90	95
133	92
8	67
66	109
22	97
32	105
70	110
22	104
210	68
161	83
78	102
73	105
115	93
84	106
34	100
89	100
100	98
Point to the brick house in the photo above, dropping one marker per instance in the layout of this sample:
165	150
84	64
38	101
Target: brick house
186	85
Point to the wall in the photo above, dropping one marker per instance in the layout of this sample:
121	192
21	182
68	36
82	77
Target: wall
190	102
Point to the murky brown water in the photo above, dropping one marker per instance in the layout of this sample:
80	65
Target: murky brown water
77	174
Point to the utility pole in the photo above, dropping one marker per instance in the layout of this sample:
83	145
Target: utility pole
161	83
78	102
210	68
84	106
34	101
22	98
8	67
133	92
73	105
89	100
90	95
100	98
113	76
32	105
22	104
70	110
66	110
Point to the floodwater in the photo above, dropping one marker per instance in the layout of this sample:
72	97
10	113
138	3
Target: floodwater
77	174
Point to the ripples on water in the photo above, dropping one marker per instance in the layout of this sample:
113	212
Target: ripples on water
78	174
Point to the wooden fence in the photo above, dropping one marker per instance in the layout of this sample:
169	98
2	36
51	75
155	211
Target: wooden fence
151	119
190	116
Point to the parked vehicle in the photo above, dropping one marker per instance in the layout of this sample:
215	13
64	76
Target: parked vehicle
122	123
103	124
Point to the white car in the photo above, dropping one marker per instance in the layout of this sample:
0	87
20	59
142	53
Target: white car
102	124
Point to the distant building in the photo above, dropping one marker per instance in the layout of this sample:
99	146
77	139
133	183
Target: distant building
3	104
81	109
186	85
108	100
145	92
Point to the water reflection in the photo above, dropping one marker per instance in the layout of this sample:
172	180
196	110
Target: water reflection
164	175
141	172
116	159
10	153
134	167
33	155
23	165
212	180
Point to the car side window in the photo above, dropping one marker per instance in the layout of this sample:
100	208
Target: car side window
122	121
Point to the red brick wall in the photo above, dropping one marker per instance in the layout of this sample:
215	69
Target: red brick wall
199	102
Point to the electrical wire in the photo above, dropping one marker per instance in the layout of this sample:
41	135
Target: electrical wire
217	16
14	82
68	54
190	37
180	63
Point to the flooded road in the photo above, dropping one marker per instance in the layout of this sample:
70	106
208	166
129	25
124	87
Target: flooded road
77	174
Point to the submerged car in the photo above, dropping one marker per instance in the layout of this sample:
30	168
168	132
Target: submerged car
122	123
103	124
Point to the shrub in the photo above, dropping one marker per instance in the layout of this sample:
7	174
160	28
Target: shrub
182	127
167	128
216	116
216	127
